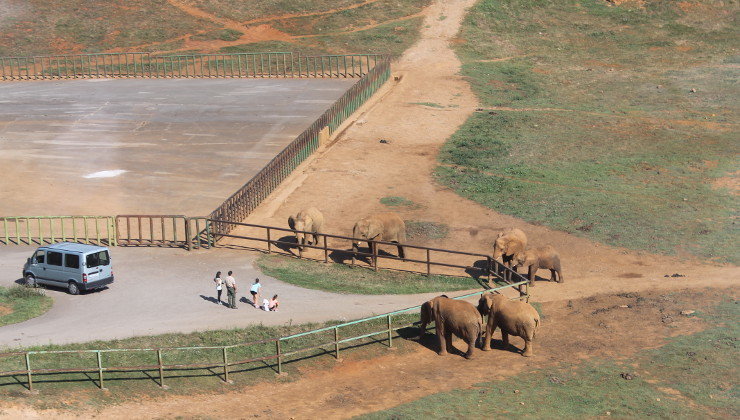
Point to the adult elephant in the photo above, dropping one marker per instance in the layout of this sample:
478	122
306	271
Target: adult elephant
310	220
512	316
543	257
452	316
507	244
387	227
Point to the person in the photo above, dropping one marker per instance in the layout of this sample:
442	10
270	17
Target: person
265	304
219	286
273	304
255	291
231	290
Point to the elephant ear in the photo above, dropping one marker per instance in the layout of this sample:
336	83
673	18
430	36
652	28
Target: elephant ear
374	229
291	221
426	312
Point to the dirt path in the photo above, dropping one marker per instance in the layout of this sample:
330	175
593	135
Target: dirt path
348	179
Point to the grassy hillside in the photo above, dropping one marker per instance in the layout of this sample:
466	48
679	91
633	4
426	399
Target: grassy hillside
615	122
87	26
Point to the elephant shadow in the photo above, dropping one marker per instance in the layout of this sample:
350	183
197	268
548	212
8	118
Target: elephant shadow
430	341
498	344
342	256
478	269
287	243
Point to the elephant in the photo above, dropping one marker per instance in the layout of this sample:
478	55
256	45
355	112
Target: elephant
543	257
452	316
308	220
388	227
512	316
507	244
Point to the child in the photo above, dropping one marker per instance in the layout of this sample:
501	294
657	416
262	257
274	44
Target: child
273	304
219	285
265	304
255	291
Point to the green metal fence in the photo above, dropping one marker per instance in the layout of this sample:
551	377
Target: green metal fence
218	361
147	65
38	230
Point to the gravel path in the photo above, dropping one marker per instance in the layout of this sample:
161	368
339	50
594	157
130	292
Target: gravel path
170	290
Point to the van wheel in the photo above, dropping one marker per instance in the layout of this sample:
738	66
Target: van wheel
30	280
73	289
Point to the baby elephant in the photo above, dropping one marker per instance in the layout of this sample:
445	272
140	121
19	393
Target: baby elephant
512	316
535	258
452	316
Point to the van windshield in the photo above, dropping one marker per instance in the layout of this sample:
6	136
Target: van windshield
97	259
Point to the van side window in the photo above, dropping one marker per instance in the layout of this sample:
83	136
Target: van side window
97	259
71	260
54	258
39	257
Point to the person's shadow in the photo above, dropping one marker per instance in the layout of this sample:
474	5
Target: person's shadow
245	300
212	300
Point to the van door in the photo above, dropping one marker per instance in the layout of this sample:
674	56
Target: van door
52	271
72	267
98	266
37	265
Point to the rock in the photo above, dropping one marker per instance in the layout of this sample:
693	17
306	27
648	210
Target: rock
556	380
624	306
687	312
384	141
627	376
516	391
692	90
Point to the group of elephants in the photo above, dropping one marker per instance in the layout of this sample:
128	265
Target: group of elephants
449	315
461	318
510	245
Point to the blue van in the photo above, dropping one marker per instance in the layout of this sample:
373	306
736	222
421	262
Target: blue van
76	267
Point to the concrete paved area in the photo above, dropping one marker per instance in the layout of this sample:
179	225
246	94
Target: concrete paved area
170	290
115	146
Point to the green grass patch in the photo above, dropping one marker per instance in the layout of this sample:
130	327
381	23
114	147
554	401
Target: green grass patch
693	376
79	391
341	278
416	229
428	104
398	202
19	303
610	142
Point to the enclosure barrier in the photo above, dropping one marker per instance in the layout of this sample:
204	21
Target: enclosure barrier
219	359
483	266
147	65
39	230
237	207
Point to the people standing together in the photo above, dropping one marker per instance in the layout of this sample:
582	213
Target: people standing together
230	283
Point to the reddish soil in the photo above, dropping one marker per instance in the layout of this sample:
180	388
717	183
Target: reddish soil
5	310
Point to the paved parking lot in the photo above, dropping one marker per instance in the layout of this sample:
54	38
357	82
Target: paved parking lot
163	146
171	290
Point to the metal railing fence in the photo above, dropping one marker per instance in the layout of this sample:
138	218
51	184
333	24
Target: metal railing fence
240	204
418	259
103	361
39	230
147	65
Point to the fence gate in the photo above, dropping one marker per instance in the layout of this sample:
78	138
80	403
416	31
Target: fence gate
153	230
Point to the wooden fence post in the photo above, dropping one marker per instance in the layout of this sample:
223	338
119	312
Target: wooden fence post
390	333
161	368
226	366
279	357
269	244
374	249
100	370
28	372
429	265
188	232
336	342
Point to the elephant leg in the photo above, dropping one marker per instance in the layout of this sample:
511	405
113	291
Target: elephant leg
441	339
528	345
532	275
448	339
401	254
490	329
472	338
505	339
560	276
553	276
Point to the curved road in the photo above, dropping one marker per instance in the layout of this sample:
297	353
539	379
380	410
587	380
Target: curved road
171	290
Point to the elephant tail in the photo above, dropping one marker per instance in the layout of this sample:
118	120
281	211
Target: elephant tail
536	327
